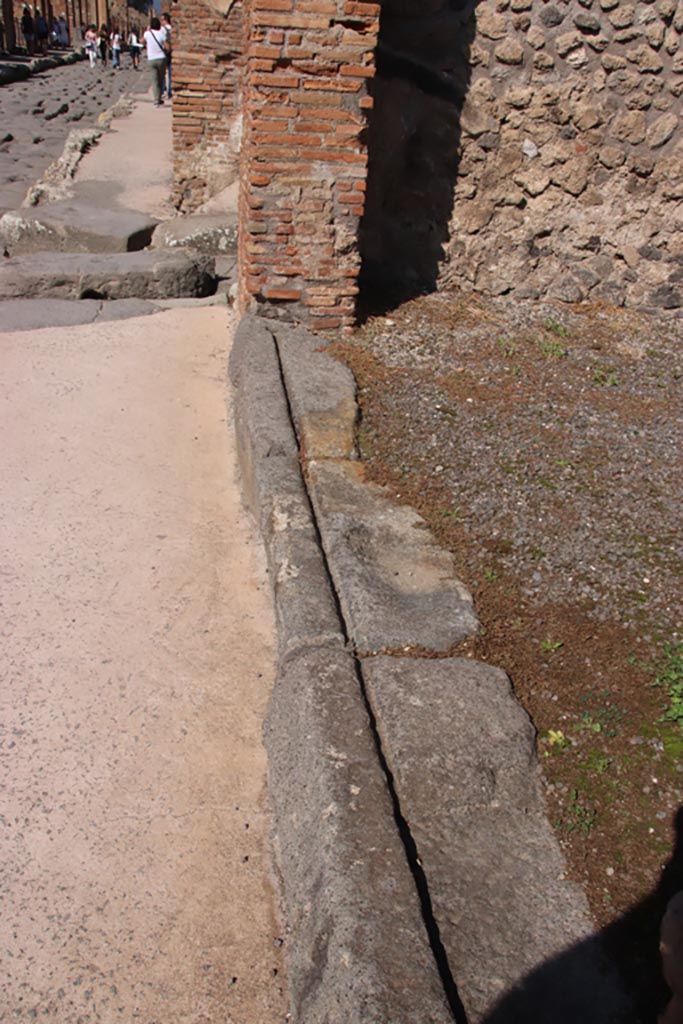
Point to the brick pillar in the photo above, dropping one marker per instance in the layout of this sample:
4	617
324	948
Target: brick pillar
304	160
207	71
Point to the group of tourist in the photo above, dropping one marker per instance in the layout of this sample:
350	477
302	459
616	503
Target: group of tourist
156	43
38	33
100	45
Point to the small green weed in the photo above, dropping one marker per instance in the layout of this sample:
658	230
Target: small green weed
552	349
589	722
555	327
670	677
556	739
491	575
598	763
603	720
550	646
604	377
508	348
580	817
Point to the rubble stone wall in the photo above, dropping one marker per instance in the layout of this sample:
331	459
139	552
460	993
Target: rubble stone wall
208	66
529	147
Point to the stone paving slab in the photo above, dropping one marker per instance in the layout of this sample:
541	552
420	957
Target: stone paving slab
397	587
145	275
211	233
322	396
517	933
75	226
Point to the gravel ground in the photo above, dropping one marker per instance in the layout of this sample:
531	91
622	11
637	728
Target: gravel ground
558	435
544	445
37	115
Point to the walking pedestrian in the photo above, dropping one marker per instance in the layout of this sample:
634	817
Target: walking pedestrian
115	43
28	29
42	31
90	42
156	58
134	45
63	31
165	21
103	43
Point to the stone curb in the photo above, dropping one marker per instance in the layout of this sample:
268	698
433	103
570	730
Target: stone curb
454	750
10	72
348	892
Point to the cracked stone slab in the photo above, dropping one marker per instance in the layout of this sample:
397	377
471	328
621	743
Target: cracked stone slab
143	275
32	314
396	586
322	395
517	933
271	477
358	950
210	233
73	226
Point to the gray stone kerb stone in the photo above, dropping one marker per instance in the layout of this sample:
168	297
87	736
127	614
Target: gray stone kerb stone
383	768
357	947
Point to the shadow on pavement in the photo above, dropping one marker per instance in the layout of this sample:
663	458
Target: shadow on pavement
562	990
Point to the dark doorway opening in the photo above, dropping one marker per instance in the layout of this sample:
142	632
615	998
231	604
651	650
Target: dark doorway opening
423	75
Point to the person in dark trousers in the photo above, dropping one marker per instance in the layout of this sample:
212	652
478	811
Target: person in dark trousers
155	41
42	32
165	20
28	30
103	43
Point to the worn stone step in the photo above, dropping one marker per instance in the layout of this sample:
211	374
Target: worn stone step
214	233
72	225
145	275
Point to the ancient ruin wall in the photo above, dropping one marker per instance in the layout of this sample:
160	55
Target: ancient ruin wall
207	104
304	160
529	147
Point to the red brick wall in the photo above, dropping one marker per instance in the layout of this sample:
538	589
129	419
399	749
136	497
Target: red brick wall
304	161
207	74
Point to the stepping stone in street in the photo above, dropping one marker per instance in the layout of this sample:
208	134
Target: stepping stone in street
205	232
145	275
74	226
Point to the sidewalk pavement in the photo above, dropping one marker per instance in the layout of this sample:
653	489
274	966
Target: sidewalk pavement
137	661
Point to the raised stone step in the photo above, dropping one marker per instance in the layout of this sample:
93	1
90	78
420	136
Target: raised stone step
75	226
211	233
145	275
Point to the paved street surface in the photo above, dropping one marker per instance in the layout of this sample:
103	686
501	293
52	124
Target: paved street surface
137	654
39	113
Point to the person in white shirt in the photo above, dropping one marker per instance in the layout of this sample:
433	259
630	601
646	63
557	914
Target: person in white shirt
155	39
134	46
115	44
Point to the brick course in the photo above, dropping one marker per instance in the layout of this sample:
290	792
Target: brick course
207	74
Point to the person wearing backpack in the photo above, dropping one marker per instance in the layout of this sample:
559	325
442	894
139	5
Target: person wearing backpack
155	40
